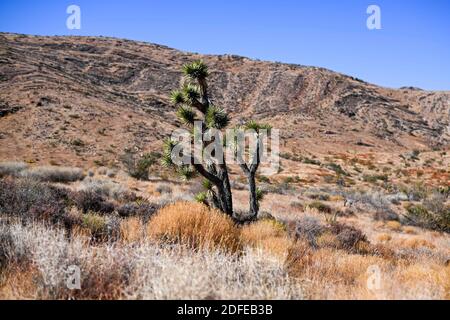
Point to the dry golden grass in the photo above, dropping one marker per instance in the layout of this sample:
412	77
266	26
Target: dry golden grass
415	243
18	283
268	235
394	225
409	230
131	230
196	226
384	237
335	274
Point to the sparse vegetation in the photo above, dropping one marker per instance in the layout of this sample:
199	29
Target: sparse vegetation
12	168
138	168
350	196
54	174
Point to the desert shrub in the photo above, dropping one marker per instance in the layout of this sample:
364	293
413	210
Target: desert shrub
163	189
196	226
142	210
12	168
435	203
337	168
318	196
348	237
338	236
420	216
96	224
107	188
91	201
296	205
131	229
320	206
307	160
31	200
386	215
165	273
280	188
142	270
415	192
375	178
138	168
394	225
54	174
10	251
299	257
104	270
376	200
308	228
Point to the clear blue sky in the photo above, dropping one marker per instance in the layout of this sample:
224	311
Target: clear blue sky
412	49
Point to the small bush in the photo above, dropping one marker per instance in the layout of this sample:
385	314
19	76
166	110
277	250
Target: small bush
31	200
54	174
196	226
348	237
164	189
308	228
96	224
375	178
139	168
394	225
318	196
143	210
107	188
92	201
10	252
418	215
320	206
12	168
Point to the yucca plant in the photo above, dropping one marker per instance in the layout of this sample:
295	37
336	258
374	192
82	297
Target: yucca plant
194	104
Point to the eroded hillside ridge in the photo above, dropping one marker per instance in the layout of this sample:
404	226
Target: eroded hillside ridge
123	85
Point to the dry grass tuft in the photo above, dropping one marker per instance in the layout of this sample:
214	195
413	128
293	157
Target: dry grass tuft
196	226
268	235
384	237
131	230
394	225
416	243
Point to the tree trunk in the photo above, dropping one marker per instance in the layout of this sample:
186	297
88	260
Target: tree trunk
253	201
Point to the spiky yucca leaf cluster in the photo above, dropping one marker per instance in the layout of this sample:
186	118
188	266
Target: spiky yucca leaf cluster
196	70
187	115
260	194
186	172
207	185
253	125
166	159
201	197
216	118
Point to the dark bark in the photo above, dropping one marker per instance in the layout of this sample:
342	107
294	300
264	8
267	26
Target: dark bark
251	178
253	201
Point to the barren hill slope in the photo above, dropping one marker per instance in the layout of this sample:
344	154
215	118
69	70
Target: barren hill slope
82	99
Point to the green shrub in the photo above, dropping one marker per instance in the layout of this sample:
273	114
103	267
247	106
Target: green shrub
139	168
320	206
96	224
420	216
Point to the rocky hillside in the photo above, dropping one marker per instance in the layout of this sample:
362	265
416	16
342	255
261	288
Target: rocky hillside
86	99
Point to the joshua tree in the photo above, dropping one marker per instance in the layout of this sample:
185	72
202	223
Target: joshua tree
255	194
194	105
